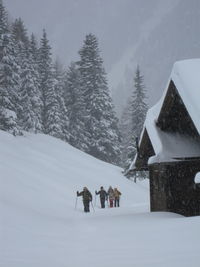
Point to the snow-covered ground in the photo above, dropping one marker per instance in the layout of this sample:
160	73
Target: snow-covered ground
39	226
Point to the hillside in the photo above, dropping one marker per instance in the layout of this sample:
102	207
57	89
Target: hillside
39	225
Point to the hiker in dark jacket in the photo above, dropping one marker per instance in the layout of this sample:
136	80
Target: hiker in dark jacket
87	197
103	196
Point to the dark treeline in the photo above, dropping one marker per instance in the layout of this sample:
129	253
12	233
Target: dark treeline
37	95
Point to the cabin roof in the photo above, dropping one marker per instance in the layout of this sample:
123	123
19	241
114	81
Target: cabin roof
169	146
186	77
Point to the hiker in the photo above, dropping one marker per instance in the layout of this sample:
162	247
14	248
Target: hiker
103	196
87	197
117	195
111	196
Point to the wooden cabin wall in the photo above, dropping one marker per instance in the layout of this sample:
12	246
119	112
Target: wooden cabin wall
172	188
158	200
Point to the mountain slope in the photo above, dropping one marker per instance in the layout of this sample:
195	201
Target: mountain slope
40	227
48	168
39	179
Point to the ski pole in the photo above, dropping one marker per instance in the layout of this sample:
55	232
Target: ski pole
76	203
95	199
92	206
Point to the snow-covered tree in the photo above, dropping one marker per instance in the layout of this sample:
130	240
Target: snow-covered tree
138	104
126	133
30	97
134	114
30	117
59	93
19	32
9	78
77	115
50	107
33	49
103	141
3	19
27	86
36	98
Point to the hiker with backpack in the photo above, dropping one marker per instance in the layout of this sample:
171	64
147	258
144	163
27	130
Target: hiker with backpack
111	196
87	198
103	196
117	195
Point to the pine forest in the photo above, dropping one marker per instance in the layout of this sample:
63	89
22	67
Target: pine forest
74	104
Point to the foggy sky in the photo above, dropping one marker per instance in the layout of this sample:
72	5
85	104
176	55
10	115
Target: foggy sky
115	22
151	33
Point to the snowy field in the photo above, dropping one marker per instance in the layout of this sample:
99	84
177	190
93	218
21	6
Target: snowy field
39	226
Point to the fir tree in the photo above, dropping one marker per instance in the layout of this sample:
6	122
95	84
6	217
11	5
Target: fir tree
3	19
59	92
30	98
74	100
138	104
9	78
33	49
21	40
36	98
26	118
50	107
30	117
135	113
103	141
126	133
19	32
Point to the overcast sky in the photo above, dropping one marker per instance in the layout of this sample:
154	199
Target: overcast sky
115	22
130	32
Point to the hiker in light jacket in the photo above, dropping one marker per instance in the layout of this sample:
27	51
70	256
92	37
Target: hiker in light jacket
117	195
111	196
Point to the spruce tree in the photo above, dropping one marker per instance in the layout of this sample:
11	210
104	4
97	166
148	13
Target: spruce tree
59	93
138	104
36	98
103	136
126	133
30	116
74	100
9	78
30	97
33	49
3	19
135	113
50	107
27	116
19	32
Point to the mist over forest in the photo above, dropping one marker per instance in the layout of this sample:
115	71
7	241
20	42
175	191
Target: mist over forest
87	71
153	34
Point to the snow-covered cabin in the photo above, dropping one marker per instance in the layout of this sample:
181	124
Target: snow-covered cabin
169	145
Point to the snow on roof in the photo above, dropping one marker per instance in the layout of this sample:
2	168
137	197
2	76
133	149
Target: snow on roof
197	178
168	146
186	77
